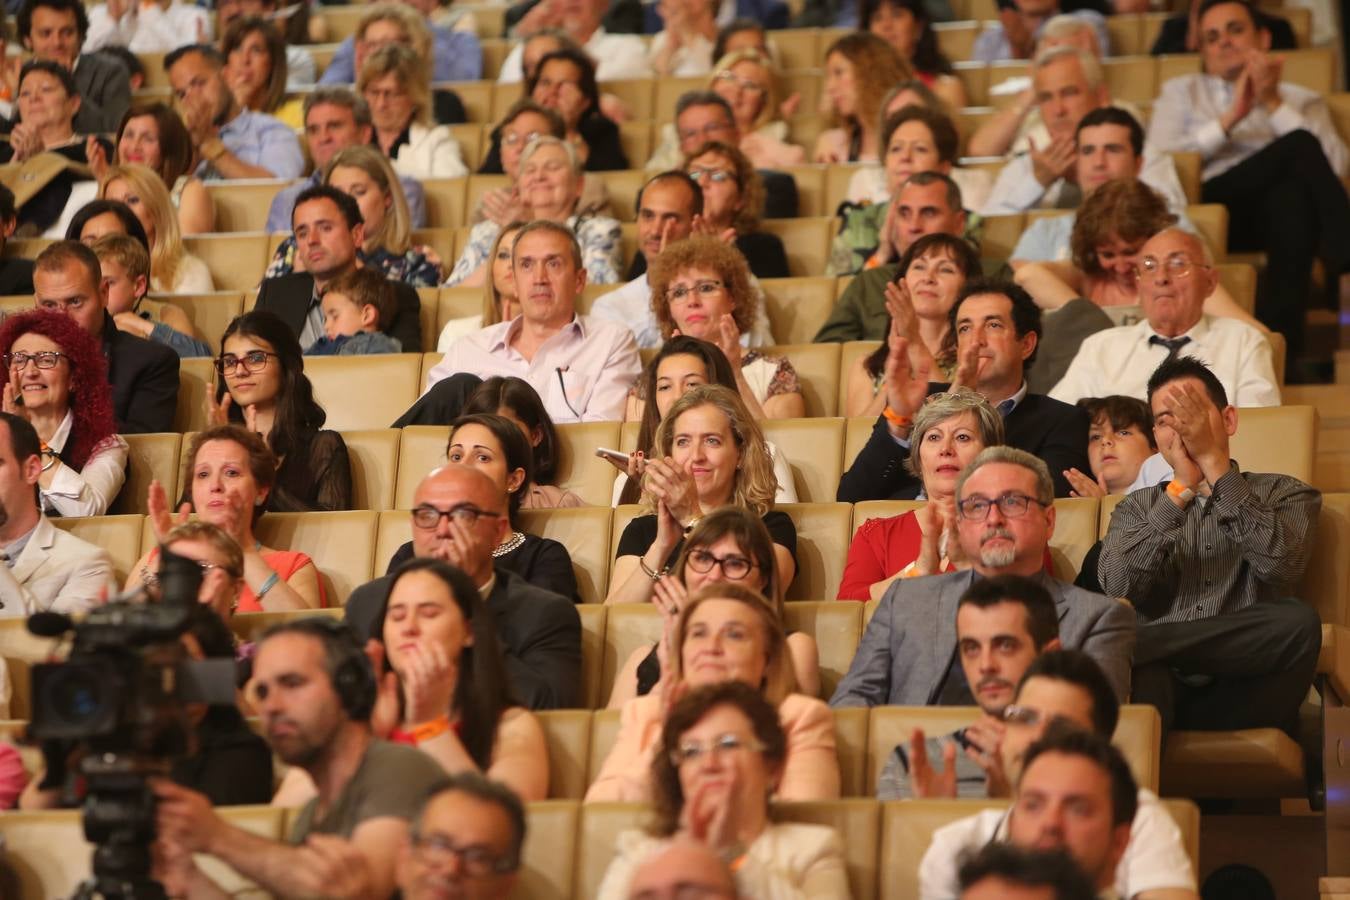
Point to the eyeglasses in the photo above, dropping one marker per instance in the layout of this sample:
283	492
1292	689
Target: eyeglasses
692	751
252	361
478	861
208	566
729	77
733	567
428	517
43	359
1178	265
716	176
704	289
708	132
512	138
1012	504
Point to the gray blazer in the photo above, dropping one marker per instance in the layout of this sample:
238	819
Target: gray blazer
909	643
105	93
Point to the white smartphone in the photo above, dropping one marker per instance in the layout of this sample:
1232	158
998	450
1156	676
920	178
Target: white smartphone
618	457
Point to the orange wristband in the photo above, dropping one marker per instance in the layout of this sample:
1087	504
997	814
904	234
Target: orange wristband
428	730
896	419
1182	492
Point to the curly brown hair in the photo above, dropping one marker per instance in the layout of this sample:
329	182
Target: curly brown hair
667	794
707	253
877	67
1126	209
747	179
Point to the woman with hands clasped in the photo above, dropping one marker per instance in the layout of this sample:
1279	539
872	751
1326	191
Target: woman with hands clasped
228	477
722	755
728	545
725	632
262	386
709	452
58	381
948	431
733	204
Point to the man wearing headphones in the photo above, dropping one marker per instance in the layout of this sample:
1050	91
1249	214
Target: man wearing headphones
315	690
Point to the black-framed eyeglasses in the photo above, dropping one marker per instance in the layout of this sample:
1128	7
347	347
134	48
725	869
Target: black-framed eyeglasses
428	517
478	861
1012	505
733	567
692	751
252	361
43	359
705	288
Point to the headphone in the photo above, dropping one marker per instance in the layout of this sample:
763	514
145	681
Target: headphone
352	675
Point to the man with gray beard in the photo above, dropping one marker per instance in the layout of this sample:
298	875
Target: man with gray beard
908	653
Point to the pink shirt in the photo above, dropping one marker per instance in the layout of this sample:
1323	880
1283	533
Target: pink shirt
582	373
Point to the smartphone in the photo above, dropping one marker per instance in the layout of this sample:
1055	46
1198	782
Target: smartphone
617	457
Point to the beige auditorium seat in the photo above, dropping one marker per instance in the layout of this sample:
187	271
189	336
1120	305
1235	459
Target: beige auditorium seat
364	391
667	93
858	823
849	354
622	186
601	825
47	853
120	536
822	546
813	448
580	530
836	627
850	745
798	48
549	855
209	314
568	732
457	303
907	828
1239	279
196	380
635	137
478	185
604	732
1000	234
393	530
797	307
428	309
806	241
252	626
242	204
593	622
479	98
1211	220
237	261
837	179
1187	165
421	449
817	367
374	461
628	627
1132	78
578	468
152	456
445	202
469	136
1277	439
810	181
623	514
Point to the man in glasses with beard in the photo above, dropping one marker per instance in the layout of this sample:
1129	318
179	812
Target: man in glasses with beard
908	654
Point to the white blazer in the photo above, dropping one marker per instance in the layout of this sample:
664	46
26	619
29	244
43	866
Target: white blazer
430	153
56	572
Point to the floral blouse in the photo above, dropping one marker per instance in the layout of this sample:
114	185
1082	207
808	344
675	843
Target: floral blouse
419	267
599	237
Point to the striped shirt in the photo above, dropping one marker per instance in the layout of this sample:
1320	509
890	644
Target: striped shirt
1248	543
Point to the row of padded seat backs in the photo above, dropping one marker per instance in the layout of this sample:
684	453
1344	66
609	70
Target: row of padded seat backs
568	845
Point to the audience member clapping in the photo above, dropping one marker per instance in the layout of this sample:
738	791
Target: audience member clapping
859	69
156	27
708	452
229	474
523	122
1120	439
733	204
263	386
154	136
513	399
617	56
950	430
173	270
58	381
683	47
395	82
719	757
729	545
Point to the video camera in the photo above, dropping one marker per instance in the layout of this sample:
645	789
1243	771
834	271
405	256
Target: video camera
118	704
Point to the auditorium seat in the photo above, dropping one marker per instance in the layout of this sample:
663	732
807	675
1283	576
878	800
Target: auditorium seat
120	536
242	204
622	187
1313	68
568	732
364	391
849	354
807	242
549	855
581	531
210	314
604	732
601	825
445	200
850	745
237	261
374	462
1188	173
1075	533
858	824
956	40
798	48
252	626
594	617
196	379
813	448
472	146
578	468
628	626
455	303
479	98
797	307
822	546
421	448
999	234
817	367
393	530
151	457
810	181
428	308
837	178
1276	439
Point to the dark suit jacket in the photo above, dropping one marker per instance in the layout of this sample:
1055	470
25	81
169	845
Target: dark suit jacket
105	93
909	642
144	377
539	630
1054	431
769	13
289	296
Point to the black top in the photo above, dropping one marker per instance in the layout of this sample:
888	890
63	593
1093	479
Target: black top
764	254
144	378
543	562
289	295
42	210
16	277
447	108
600	134
316	478
232	765
641	533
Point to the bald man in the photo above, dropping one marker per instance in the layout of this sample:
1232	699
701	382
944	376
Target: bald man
685	868
459	516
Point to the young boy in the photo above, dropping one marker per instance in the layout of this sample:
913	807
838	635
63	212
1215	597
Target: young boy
356	307
126	274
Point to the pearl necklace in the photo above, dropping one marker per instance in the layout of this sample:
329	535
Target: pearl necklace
511	543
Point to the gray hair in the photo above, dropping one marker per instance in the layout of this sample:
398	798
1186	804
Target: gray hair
938	408
554	228
1092	67
1065	26
1206	254
548	140
1045	488
339	96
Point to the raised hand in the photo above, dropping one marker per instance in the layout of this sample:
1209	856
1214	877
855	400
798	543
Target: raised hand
157	508
727	337
1266	72
1244	101
12	402
906	387
969	367
1056	161
674	488
703	228
429	680
1084	485
384	717
98	158
985	738
886	248
956	554
218	412
932	524
924	780
336	867
1199	425
250	416
503	206
668	595
26	142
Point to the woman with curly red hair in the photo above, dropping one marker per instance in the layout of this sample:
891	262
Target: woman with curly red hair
58	381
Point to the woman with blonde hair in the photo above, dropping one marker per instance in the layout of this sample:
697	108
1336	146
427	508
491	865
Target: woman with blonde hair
153	135
725	632
859	69
500	302
366	174
749	81
173	270
709	453
395	82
